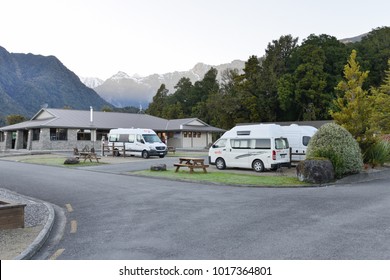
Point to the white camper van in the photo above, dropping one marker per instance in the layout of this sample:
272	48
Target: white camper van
260	146
137	141
298	137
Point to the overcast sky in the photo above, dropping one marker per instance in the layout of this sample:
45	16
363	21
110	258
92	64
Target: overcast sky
98	38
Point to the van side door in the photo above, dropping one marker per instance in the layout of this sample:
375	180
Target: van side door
238	153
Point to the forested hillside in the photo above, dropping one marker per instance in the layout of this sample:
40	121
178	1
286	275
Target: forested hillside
28	81
291	82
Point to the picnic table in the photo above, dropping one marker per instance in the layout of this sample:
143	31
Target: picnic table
89	155
86	153
191	163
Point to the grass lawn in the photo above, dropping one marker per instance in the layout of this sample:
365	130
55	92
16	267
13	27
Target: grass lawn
57	161
225	178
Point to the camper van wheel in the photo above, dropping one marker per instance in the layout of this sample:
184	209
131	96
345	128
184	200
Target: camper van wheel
116	153
258	165
145	154
220	163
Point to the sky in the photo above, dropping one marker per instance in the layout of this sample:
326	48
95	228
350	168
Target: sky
98	38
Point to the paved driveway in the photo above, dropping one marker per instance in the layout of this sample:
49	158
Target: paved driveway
127	217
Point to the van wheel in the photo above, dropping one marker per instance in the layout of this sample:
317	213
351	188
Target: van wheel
116	153
145	154
258	165
220	164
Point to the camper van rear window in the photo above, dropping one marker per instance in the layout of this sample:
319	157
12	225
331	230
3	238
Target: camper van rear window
305	140
244	132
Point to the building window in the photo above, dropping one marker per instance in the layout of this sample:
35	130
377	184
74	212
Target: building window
198	135
102	133
58	134
36	132
84	135
185	134
2	136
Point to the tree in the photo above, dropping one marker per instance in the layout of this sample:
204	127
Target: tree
380	104
14	119
354	108
374	52
201	93
303	91
183	96
249	91
160	100
274	65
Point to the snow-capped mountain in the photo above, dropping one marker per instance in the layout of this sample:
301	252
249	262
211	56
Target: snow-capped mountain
123	90
91	82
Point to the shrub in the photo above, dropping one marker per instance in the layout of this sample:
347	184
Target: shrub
378	153
337	144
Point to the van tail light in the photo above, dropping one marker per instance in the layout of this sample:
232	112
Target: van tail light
273	155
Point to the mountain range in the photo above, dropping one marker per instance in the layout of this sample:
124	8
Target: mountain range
122	90
28	81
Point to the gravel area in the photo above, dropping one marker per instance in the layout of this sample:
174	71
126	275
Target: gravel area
14	242
35	213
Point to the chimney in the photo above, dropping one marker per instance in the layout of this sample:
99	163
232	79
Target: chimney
91	114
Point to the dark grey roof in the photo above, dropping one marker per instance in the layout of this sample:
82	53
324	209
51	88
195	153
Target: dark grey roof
191	124
48	117
316	124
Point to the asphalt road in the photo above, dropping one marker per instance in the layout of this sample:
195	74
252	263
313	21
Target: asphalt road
113	216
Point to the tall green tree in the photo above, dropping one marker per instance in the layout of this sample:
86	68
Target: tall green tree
374	52
354	109
303	91
224	106
273	66
160	101
183	96
380	104
201	93
249	91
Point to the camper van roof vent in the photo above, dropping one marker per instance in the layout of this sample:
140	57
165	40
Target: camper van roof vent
244	132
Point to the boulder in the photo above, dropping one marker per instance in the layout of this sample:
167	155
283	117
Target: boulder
316	171
72	161
158	167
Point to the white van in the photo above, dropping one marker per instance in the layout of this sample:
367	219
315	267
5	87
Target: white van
298	137
137	142
260	146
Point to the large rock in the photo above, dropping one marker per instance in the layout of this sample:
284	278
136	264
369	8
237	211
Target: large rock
72	161
316	171
158	167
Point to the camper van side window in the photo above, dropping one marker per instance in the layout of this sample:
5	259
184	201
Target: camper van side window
281	143
123	137
131	138
263	144
140	139
240	144
113	137
305	140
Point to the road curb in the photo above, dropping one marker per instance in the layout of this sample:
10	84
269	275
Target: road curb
364	177
34	247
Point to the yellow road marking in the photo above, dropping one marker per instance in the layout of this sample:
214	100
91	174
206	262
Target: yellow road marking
69	207
73	226
57	254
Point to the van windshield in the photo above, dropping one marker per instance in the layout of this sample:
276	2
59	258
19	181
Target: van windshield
281	143
151	138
